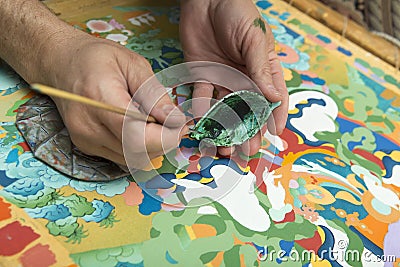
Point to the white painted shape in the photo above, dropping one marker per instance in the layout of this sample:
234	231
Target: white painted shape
276	193
207	210
117	37
374	185
395	178
235	192
135	22
275	140
316	117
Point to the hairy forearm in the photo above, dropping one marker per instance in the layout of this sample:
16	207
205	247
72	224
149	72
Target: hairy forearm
29	35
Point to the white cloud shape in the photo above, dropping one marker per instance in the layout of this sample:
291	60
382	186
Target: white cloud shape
315	118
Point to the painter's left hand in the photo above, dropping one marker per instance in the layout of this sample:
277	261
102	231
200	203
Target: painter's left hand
232	32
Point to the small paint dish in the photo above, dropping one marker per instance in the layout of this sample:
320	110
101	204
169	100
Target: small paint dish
234	119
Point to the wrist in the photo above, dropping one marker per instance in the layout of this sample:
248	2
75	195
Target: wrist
57	51
36	35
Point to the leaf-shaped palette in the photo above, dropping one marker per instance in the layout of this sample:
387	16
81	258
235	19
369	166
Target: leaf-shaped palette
234	119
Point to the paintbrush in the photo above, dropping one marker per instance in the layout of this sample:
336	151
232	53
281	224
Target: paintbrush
50	91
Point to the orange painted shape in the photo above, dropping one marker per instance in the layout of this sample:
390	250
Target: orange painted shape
237	241
203	230
29	95
378	230
349	105
217	261
38	256
5	211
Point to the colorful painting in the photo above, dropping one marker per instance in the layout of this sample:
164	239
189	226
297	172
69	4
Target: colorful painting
324	193
24	243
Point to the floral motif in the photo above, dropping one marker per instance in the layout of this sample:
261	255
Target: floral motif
117	37
142	19
308	212
99	26
116	25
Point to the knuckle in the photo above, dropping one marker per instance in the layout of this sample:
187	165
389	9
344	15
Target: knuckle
265	68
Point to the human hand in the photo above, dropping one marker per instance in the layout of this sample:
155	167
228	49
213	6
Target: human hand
233	33
108	72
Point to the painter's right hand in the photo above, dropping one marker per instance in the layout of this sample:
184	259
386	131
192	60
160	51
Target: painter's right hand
110	73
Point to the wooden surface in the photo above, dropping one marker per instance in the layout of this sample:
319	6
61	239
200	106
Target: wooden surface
353	31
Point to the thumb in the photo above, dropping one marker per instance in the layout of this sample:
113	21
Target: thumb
256	49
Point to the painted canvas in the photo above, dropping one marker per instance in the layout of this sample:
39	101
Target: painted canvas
324	193
25	243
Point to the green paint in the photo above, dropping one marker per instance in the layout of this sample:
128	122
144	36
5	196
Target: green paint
259	22
355	244
308	29
301	181
301	250
362	135
197	252
63	227
40	199
12	110
232	257
109	221
321	58
172	55
234	119
215	221
11	134
305	27
362	62
77	205
365	64
109	256
295	22
207	257
295	81
379	72
319	49
154	233
364	98
392	80
290	231
153	250
345	154
169	163
183	235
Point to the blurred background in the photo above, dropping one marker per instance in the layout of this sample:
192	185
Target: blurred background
380	16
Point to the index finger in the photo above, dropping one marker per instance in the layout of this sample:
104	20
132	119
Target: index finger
277	122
